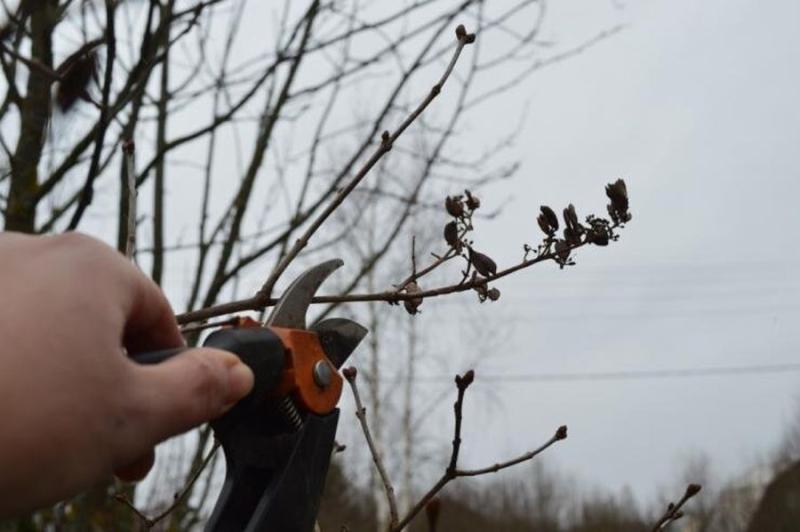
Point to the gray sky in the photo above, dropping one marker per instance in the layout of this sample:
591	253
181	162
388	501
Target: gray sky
695	105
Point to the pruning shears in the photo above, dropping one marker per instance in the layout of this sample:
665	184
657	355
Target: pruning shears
279	439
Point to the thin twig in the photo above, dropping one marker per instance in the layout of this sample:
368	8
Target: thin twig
33	64
452	471
361	413
673	512
119	497
150	522
233	321
390	296
87	192
387	140
128	148
413	255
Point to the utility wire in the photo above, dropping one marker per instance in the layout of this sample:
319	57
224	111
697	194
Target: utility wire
714	371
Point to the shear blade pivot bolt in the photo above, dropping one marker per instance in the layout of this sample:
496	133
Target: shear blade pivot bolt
322	374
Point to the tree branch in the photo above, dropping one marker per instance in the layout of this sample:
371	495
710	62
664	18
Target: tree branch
361	413
384	147
673	512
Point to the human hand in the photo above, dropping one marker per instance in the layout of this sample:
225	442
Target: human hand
73	407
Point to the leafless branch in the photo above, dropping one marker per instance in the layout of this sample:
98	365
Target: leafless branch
130	175
150	522
673	511
451	471
389	296
387	139
361	413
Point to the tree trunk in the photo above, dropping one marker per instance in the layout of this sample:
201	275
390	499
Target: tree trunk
35	114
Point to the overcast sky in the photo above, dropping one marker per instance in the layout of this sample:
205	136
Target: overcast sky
695	105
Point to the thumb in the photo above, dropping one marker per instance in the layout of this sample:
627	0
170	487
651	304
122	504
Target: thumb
194	387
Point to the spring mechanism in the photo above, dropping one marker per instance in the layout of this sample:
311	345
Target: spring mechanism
291	413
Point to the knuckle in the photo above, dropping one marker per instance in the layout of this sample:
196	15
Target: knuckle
74	239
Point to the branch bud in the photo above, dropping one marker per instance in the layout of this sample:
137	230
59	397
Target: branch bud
550	217
482	263
692	490
350	373
451	235
473	202
386	140
561	433
463	381
412	305
454	206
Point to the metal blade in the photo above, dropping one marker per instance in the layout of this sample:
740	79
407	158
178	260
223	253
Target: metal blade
290	312
339	337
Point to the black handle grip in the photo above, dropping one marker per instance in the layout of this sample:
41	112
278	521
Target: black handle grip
258	347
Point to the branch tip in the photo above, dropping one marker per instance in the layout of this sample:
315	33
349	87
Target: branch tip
463	36
463	381
350	373
692	490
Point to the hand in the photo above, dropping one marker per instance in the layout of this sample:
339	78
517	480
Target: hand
73	408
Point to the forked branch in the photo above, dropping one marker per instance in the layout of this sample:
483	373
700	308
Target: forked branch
452	471
387	140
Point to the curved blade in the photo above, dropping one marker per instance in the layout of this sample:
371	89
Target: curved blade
339	337
290	312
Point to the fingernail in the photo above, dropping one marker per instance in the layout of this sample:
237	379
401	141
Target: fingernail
240	382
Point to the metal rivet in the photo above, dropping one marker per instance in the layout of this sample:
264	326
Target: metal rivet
322	374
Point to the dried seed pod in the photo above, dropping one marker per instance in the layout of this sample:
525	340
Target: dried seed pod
612	213
412	305
451	235
571	218
571	236
481	289
493	294
454	206
617	192
473	202
597	236
550	216
562	251
482	263
76	75
543	225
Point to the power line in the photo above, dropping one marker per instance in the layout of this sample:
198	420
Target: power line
714	371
